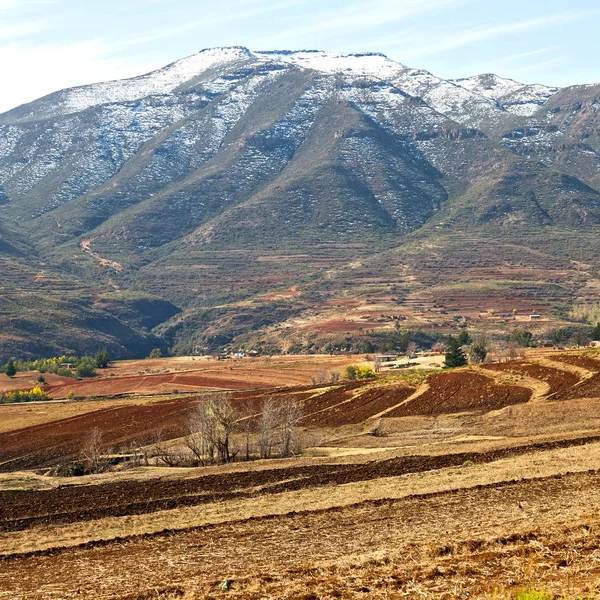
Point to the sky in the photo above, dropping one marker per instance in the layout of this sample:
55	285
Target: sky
47	45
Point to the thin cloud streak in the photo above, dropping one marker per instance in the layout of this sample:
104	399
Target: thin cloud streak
465	38
21	30
356	17
156	35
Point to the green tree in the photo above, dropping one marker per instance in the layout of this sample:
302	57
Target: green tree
596	332
464	338
478	352
455	357
102	359
522	337
155	353
85	368
579	339
350	372
11	368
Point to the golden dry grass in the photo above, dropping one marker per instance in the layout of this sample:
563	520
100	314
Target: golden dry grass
465	544
526	467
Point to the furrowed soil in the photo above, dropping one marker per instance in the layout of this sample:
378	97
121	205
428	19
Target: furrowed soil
463	544
461	391
23	510
456	485
558	380
44	445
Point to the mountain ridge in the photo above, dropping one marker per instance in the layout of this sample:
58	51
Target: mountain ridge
204	180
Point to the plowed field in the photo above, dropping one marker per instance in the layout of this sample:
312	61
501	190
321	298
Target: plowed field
149	384
579	360
46	444
361	407
462	391
23	509
557	379
590	388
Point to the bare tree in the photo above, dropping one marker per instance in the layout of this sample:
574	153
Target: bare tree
95	461
290	415
267	427
210	429
319	378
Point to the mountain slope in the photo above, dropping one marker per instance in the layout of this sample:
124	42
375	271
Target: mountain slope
208	187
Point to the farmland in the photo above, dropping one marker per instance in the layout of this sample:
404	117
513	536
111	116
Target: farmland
469	483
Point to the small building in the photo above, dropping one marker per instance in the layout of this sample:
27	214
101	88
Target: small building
532	317
386	358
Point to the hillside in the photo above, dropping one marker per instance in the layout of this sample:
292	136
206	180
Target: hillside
254	197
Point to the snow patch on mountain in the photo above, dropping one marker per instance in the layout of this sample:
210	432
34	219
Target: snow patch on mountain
517	98
366	64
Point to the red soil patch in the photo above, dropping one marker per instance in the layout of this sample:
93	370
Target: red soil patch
462	391
148	384
361	408
579	360
29	380
339	325
557	379
59	441
590	388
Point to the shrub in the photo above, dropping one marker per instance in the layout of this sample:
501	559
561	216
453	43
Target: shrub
155	353
353	372
37	394
350	372
10	369
365	372
85	369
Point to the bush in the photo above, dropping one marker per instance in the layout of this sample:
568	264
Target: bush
353	372
37	394
85	369
155	353
10	369
350	372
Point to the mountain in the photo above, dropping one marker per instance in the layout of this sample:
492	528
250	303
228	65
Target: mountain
233	196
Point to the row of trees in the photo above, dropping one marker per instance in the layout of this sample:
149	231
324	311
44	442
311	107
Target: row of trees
83	366
218	431
37	394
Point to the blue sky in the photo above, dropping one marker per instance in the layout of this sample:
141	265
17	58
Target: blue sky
47	45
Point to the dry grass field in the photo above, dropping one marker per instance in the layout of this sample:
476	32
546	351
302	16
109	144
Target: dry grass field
481	482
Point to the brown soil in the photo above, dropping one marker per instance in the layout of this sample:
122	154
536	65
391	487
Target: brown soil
362	407
341	326
557	379
462	391
27	381
148	384
59	441
461	544
579	360
69	504
589	388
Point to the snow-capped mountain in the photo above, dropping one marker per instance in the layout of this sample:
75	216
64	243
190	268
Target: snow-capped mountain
232	151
